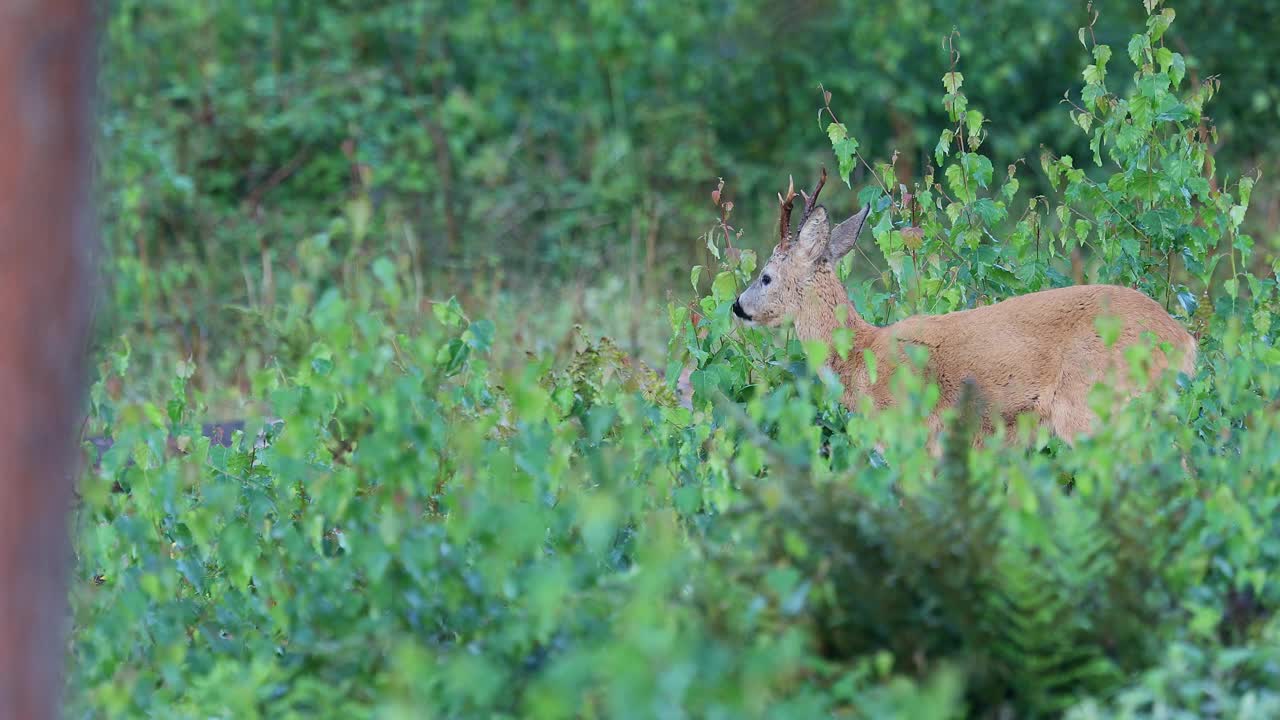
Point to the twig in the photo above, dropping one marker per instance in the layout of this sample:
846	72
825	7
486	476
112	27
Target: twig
282	173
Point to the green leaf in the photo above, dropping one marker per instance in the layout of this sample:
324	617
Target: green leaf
973	120
1091	94
816	353
1138	46
724	287
453	356
711	246
705	381
1188	302
943	148
1177	69
958	184
842	341
479	335
978	167
1236	214
845	151
1108	328
1160	23
989	211
836	132
448	313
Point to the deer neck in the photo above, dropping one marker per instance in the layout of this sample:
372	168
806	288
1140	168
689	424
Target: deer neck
827	307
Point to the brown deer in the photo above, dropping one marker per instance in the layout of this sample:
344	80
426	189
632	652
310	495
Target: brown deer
1039	353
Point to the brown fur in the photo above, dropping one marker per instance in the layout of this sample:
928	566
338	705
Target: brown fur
1039	353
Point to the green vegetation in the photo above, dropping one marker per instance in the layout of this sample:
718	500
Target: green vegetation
388	228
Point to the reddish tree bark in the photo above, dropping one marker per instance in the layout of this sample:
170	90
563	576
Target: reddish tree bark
47	70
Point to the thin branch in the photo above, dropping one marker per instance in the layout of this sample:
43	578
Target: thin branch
254	199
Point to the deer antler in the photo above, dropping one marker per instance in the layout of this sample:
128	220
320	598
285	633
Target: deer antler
785	204
811	202
784	221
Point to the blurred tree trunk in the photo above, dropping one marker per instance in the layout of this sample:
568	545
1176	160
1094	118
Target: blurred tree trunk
47	70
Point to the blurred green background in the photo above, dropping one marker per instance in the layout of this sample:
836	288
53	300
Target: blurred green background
557	156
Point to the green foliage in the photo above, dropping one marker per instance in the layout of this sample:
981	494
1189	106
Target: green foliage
441	520
256	154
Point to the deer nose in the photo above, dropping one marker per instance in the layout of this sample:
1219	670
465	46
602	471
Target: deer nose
737	310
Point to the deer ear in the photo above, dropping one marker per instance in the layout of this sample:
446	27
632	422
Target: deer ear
815	233
845	235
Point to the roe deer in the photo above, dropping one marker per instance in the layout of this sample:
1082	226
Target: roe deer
1038	353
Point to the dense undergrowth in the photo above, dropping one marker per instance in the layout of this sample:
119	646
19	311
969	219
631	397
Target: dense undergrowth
442	526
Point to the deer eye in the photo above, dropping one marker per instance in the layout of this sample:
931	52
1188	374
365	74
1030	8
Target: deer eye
765	279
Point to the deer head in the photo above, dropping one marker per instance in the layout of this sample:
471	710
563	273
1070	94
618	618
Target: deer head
779	291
